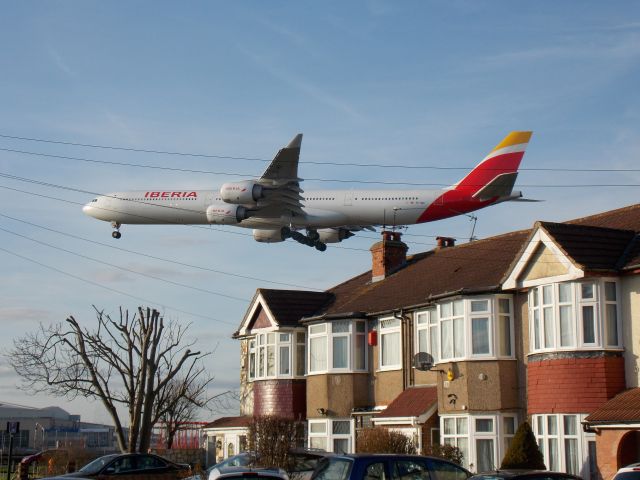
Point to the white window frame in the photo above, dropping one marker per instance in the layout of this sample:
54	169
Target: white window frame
598	303
461	325
258	349
498	435
540	430
328	436
427	321
352	335
389	326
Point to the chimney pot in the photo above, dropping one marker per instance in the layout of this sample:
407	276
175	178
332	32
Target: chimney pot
388	255
444	242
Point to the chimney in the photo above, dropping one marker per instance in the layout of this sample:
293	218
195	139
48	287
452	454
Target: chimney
389	255
444	242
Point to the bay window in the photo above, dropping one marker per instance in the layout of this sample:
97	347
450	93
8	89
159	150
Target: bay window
563	443
570	315
337	346
271	355
475	327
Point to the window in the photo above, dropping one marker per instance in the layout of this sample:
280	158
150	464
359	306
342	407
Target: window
574	315
476	327
331	435
483	439
427	332
337	346
563	443
271	355
390	348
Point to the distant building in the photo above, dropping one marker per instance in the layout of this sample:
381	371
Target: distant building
52	427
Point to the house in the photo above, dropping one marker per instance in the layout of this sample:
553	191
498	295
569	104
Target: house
531	325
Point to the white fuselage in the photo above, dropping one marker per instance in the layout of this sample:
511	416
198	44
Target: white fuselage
322	208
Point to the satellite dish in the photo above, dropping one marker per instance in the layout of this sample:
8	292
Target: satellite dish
423	361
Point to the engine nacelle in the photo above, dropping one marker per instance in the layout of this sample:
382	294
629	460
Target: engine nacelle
246	192
334	235
268	236
225	214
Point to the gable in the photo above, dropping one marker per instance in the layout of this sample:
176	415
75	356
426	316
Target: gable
543	264
260	319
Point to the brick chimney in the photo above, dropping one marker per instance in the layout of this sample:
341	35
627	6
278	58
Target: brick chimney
389	255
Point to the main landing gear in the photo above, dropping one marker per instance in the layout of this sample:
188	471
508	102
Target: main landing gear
116	230
311	239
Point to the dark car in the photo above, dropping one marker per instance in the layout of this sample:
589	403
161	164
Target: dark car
524	475
130	466
630	472
387	467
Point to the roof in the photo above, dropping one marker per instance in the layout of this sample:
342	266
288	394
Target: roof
623	408
288	306
230	422
475	266
412	402
604	249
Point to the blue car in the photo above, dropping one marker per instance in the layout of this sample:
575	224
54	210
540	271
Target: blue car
387	467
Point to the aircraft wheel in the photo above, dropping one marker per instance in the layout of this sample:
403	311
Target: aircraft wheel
313	235
309	242
320	246
116	234
285	232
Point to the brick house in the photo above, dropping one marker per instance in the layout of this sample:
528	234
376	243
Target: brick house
530	325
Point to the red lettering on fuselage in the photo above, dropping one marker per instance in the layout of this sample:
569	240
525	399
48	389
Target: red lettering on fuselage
171	195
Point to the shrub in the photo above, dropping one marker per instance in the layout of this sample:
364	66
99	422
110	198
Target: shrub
523	452
448	452
382	440
272	438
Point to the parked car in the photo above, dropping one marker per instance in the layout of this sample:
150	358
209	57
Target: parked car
304	463
387	466
244	473
524	475
130	466
630	472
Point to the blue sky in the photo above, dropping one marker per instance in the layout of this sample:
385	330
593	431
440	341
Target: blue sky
415	83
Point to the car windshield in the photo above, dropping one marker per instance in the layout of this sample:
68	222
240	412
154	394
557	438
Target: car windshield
333	469
97	465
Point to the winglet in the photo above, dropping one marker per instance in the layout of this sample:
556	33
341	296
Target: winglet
296	142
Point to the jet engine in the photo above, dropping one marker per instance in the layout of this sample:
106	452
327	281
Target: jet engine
333	235
269	236
225	214
246	192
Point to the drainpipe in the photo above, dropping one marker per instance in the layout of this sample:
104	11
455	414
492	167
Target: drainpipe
406	328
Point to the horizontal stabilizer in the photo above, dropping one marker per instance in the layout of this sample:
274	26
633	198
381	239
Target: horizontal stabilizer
500	186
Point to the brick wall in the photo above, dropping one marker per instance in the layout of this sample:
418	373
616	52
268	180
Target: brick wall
284	398
573	384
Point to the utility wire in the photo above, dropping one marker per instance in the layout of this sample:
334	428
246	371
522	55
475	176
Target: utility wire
99	285
327	180
175	262
254	159
119	267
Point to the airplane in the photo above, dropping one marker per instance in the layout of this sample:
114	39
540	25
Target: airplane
276	208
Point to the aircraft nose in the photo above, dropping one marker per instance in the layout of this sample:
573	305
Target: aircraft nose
87	209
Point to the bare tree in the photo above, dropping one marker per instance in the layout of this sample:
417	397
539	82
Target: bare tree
127	364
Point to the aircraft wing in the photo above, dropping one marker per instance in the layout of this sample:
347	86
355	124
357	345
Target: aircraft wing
282	183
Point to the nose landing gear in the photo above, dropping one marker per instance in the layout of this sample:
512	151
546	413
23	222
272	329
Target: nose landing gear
116	230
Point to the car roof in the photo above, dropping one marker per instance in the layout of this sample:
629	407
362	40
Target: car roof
250	472
520	473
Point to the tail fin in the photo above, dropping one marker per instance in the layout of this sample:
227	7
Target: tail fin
496	174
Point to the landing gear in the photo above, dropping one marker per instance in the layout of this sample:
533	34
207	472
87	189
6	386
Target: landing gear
310	240
116	230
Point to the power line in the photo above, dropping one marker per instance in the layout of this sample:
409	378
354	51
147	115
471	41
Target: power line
327	180
99	285
126	269
263	160
175	262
